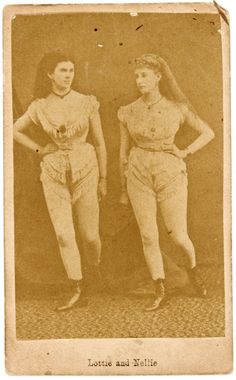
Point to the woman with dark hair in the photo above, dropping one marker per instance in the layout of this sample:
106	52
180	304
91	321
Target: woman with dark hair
152	168
73	172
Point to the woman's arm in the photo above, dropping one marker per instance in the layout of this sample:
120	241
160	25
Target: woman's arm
205	134
99	144
22	124
19	127
124	152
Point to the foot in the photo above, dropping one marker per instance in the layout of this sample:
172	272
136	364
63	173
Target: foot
197	282
75	301
160	296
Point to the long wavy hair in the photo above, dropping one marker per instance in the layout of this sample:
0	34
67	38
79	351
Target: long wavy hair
168	83
47	65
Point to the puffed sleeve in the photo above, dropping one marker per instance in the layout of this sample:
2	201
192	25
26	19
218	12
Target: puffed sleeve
183	110
190	117
32	112
121	114
93	105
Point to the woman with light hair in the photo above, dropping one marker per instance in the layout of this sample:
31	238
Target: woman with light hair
152	167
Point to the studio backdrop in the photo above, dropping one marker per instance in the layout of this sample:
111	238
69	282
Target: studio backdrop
104	47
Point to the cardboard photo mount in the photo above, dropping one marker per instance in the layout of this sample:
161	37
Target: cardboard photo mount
95	356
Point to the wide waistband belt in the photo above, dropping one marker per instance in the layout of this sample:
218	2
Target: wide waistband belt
156	149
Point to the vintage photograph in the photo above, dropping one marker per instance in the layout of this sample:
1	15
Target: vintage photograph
118	123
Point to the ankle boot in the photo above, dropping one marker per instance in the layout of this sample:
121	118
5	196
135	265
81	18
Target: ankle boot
159	295
76	299
197	282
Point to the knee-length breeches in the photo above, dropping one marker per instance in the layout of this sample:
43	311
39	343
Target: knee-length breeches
60	198
153	177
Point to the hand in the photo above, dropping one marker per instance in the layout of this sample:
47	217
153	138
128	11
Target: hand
172	149
124	199
102	188
48	149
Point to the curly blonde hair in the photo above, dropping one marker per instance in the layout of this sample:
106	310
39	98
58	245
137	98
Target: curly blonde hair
151	61
168	84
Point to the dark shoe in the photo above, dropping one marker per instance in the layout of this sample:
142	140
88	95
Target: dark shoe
160	296
197	282
77	300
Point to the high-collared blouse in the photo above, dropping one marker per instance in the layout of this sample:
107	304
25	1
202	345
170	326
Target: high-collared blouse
66	121
151	126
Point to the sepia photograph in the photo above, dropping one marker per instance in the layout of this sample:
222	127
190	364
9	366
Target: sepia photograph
117	189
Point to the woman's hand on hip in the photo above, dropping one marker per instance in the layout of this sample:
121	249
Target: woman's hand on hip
173	149
102	188
48	149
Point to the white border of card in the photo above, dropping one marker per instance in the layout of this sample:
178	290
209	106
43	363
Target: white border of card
172	355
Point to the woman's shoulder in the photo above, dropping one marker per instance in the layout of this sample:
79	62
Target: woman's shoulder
36	104
178	106
77	96
90	100
180	109
130	106
125	111
35	109
80	96
37	101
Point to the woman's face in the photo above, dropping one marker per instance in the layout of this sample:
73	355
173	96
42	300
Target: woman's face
63	75
146	79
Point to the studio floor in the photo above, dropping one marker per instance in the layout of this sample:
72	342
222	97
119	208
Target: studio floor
120	315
